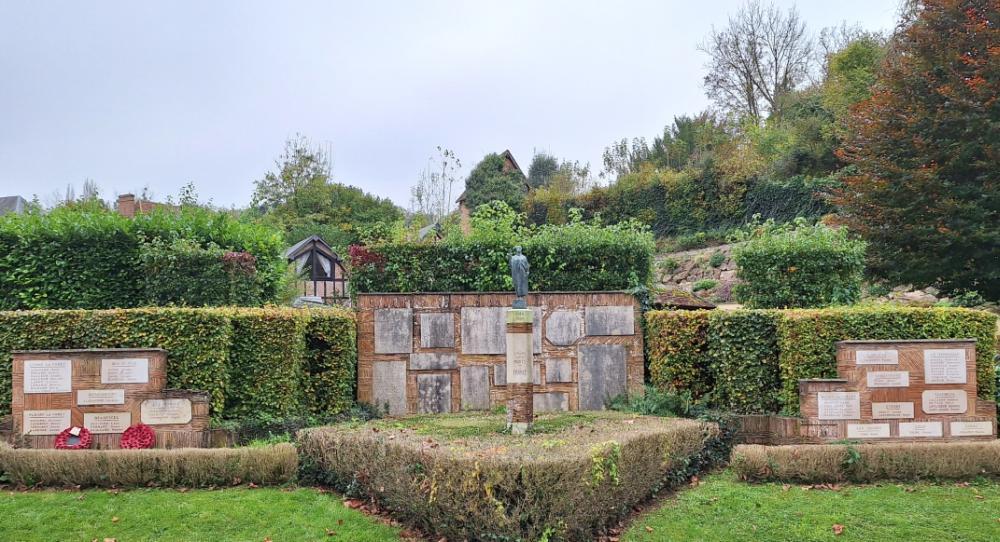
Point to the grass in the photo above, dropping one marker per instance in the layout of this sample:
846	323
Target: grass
236	514
723	508
480	424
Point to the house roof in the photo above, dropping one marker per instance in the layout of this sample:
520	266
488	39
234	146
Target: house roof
307	245
12	204
506	154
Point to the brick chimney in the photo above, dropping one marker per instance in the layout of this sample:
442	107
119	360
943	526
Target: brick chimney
126	205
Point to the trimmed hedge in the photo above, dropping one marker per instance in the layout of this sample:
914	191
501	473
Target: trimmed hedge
254	362
819	463
751	361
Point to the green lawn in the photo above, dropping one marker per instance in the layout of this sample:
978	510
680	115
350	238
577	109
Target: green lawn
722	508
163	515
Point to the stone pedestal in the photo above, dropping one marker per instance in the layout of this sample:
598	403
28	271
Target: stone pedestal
520	403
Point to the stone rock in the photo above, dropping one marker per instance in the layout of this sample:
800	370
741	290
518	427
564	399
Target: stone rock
393	331
563	328
433	394
500	374
918	298
727	276
930	290
550	402
558	370
389	385
437	330
475	387
603	374
433	361
610	320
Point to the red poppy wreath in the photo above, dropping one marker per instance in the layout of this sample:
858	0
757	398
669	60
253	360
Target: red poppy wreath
73	438
138	436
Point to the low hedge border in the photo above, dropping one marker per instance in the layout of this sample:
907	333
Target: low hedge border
567	485
182	467
750	361
823	463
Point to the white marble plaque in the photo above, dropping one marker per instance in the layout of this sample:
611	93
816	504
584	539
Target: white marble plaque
944	366
971	429
945	401
519	366
45	422
920	429
125	371
867	430
165	411
884	411
100	397
839	405
107	422
888	379
877	357
48	376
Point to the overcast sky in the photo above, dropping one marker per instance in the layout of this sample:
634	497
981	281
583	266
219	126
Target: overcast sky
136	94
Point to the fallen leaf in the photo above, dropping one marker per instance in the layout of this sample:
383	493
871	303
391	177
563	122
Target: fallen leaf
331	532
110	540
837	529
649	529
785	487
114	519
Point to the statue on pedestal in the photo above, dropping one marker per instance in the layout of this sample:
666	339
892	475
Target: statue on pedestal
519	270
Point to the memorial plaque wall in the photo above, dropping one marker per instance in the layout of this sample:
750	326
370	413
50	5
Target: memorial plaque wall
105	391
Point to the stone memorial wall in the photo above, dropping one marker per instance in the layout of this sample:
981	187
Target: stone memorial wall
105	391
441	352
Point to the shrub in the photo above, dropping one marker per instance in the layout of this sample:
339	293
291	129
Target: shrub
183	467
717	259
566	485
798	267
704	284
865	463
751	361
251	361
668	264
183	273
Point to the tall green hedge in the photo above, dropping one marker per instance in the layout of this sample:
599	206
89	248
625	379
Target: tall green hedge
254	362
751	361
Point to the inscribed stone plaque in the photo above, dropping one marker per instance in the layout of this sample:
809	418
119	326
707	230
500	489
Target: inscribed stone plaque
971	429
100	397
475	387
107	422
610	320
877	357
393	331
433	360
920	429
48	376
433	394
165	411
437	330
536	374
867	430
885	411
563	328
888	379
602	374
944	366
519	366
45	422
125	371
839	405
550	402
558	370
945	401
484	330
500	375
389	385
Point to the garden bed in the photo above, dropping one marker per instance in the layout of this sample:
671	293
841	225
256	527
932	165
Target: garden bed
459	476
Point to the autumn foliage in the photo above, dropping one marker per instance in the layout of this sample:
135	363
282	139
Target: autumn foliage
926	146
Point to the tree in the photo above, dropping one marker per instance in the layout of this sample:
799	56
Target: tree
926	147
543	166
760	56
297	166
490	180
431	197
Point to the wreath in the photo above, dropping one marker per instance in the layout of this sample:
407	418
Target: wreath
138	436
73	438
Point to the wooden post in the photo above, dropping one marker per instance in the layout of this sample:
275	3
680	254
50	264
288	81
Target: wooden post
520	404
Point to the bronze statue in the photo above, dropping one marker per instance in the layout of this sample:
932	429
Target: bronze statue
519	269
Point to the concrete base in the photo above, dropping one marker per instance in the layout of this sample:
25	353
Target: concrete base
519	428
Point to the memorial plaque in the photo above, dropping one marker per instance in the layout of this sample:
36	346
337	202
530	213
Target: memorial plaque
107	422
550	402
610	320
393	331
888	379
475	381
883	411
971	429
100	397
603	376
433	361
165	411
558	370
484	329
920	429
563	328
944	366
125	371
433	394
437	330
877	357
945	402
867	430
839	405
48	376
45	422
389	386
519	366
